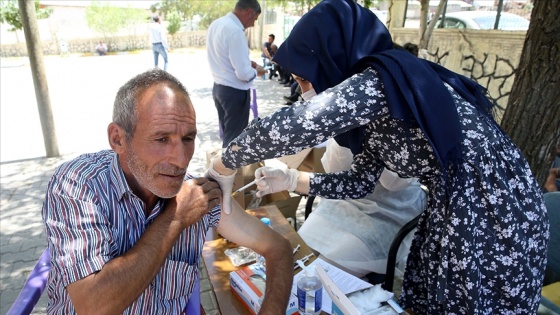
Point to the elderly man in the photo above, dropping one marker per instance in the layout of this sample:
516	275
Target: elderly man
126	226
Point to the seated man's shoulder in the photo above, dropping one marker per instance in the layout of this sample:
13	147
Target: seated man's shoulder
86	164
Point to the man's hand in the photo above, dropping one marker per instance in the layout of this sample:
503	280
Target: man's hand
271	180
261	71
194	200
225	177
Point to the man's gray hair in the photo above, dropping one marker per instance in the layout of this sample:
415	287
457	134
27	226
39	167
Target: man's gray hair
248	4
125	107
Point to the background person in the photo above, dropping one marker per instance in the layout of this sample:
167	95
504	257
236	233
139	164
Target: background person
267	50
159	42
233	71
101	49
412	48
126	227
273	67
485	218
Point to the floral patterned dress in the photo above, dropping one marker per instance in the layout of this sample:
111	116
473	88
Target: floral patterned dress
480	245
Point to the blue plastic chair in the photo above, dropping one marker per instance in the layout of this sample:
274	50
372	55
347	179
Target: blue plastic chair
552	202
33	288
37	281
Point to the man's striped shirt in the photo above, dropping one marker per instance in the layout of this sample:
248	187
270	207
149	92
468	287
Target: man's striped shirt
92	216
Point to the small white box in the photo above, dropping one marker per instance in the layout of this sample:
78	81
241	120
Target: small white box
248	284
341	304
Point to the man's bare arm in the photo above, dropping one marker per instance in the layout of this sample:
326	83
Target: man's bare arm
246	230
124	278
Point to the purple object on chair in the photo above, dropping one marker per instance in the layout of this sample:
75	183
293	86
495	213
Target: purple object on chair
193	306
34	286
254	107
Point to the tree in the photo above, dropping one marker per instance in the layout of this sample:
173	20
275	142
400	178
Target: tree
108	20
33	42
208	11
425	28
211	10
9	13
531	116
174	23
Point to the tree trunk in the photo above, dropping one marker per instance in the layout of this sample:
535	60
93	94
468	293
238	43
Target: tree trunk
426	31
532	117
396	14
34	50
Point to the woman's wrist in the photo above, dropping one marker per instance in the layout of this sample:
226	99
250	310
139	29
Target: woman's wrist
219	167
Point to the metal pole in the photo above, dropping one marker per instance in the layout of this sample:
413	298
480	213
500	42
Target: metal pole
498	15
34	50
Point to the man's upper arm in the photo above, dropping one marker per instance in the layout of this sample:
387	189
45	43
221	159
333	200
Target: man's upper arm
77	233
244	229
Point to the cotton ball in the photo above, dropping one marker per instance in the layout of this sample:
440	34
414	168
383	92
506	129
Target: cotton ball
369	299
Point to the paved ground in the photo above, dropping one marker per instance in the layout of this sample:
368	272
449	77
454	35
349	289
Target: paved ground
82	90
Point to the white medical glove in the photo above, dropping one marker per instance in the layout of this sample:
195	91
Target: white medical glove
271	180
224	176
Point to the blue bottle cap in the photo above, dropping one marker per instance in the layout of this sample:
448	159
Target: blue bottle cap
265	221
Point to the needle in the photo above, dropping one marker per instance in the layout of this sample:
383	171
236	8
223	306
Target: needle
244	187
296	249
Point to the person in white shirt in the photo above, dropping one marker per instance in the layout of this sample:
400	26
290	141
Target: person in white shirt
232	69
159	42
101	49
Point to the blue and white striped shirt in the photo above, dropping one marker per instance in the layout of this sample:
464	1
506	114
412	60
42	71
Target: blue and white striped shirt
92	216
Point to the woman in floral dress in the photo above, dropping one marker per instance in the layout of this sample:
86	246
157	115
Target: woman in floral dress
480	245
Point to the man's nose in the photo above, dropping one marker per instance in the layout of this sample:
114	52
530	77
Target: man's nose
180	154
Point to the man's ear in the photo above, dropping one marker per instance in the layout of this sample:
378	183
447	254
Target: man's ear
117	137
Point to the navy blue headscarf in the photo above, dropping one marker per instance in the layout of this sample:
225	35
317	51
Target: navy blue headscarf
338	38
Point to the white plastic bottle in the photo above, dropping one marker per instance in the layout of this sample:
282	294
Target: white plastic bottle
309	292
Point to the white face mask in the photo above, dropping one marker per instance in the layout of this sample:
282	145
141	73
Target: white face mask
309	94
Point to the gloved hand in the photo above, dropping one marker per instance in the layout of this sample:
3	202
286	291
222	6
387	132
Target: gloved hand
224	176
271	180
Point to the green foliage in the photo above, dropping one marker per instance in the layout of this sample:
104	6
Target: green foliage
108	20
211	10
174	23
9	13
207	11
300	6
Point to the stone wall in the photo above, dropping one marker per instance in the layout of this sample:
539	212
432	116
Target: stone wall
489	57
115	44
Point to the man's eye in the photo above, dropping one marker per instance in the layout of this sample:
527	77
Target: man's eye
161	140
188	139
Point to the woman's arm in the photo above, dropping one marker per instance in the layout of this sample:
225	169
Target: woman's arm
355	102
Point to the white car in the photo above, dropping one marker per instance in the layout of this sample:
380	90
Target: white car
483	20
